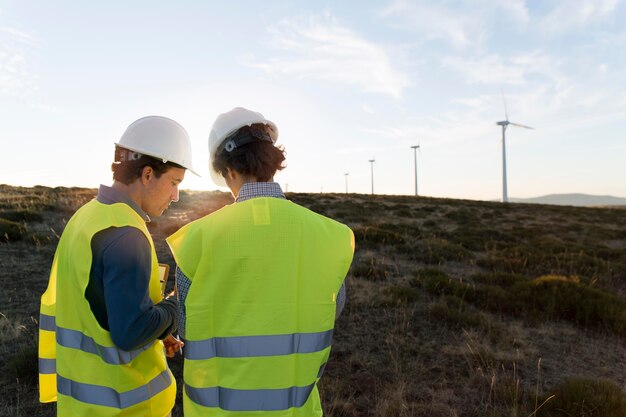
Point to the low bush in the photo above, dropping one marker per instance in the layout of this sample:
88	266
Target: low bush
549	297
22	216
453	312
426	276
22	366
501	279
373	269
370	237
11	231
400	295
585	398
436	251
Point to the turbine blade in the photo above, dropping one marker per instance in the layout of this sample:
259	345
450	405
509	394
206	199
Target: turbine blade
519	125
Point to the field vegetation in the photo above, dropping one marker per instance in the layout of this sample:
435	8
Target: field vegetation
455	307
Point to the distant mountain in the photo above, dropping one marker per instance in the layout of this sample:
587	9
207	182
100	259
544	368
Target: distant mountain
573	200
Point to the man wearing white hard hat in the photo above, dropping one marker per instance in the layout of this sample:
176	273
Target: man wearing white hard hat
104	323
260	284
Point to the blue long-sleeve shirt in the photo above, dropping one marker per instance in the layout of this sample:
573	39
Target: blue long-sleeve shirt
247	191
118	288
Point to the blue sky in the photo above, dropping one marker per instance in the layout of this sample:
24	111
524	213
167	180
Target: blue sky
344	81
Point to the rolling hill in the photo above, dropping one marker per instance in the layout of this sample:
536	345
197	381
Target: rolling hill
455	307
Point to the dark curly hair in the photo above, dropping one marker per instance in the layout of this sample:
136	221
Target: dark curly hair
259	159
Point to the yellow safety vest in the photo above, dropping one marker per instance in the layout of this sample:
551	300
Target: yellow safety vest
79	365
261	308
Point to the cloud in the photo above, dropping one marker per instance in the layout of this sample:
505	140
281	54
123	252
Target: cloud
367	109
323	49
435	22
577	13
16	74
497	70
458	23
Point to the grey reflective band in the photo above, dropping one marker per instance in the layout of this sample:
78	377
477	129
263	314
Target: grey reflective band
47	366
321	371
47	322
248	346
108	397
76	340
250	400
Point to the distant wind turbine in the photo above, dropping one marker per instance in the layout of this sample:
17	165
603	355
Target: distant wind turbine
505	124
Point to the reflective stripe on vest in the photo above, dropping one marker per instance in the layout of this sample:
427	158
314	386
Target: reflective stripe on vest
249	346
250	400
74	339
47	322
47	366
100	395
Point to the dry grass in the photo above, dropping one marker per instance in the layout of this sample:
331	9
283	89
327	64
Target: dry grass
455	308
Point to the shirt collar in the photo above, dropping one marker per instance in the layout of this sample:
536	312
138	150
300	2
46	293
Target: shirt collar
109	195
259	189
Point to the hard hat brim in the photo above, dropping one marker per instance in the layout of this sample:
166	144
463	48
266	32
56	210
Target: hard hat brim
188	167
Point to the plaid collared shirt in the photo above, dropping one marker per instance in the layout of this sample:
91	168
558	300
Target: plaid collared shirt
259	189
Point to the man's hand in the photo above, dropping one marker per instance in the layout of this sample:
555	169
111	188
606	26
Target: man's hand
172	345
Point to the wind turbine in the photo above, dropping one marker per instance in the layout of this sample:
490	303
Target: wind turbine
505	124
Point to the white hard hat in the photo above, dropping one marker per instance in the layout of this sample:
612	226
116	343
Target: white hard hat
161	138
227	124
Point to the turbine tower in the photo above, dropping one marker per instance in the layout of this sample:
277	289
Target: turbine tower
415	148
505	124
371	161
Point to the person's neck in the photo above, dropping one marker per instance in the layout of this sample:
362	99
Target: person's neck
130	190
240	181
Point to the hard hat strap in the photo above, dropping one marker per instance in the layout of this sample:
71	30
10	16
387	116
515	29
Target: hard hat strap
244	136
126	155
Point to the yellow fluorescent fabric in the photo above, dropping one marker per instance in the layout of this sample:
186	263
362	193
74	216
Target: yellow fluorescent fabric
80	366
265	267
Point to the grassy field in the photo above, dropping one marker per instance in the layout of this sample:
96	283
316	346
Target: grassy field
455	308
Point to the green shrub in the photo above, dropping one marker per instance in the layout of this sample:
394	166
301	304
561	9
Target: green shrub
477	237
549	297
371	237
454	313
501	279
585	398
422	277
401	295
566	298
39	239
21	216
429	223
11	231
463	216
372	269
22	366
436	251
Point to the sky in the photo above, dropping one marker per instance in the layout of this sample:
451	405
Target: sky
345	81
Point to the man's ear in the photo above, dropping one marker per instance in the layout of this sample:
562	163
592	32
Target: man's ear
146	174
